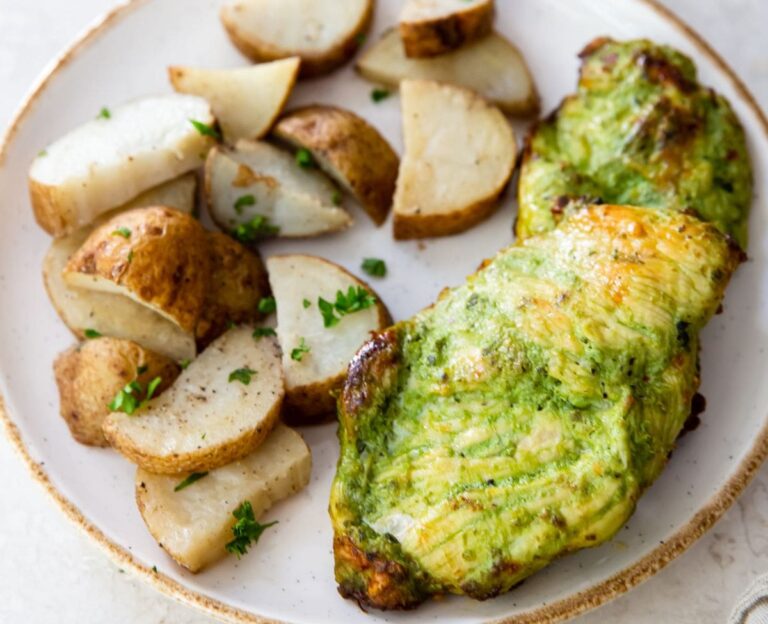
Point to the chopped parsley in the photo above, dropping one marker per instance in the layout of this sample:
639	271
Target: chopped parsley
91	334
354	300
194	477
243	375
304	158
104	113
267	305
151	389
306	303
185	363
298	353
154	569
130	256
256	228
122	231
129	399
261	332
379	94
142	369
360	38
242	202
374	267
205	129
246	531
42	153
336	198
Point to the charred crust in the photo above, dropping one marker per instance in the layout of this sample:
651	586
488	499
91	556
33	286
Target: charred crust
660	70
368	369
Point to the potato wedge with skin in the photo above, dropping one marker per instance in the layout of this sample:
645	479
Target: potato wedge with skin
460	153
246	101
90	375
312	381
491	66
297	201
194	525
238	282
323	33
434	27
156	256
349	150
207	418
109	161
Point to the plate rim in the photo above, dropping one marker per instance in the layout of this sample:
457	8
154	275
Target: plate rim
558	611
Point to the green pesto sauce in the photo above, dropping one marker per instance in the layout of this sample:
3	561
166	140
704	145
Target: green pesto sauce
530	408
640	130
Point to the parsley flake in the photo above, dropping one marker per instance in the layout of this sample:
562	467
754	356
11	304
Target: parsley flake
354	300
242	202
122	231
184	364
261	332
246	531
306	303
379	94
267	305
194	477
205	129
336	198
42	153
90	334
304	158
374	267
256	228
243	375
298	353
104	113
142	369
129	399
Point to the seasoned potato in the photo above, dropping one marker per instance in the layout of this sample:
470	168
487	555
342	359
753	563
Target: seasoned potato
218	410
324	33
194	524
492	66
433	27
258	180
315	357
156	256
238	282
460	152
90	375
110	160
247	100
349	150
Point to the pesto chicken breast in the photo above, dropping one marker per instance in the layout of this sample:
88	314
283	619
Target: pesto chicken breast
640	130
521	417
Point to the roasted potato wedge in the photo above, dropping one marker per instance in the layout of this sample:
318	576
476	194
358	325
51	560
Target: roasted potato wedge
246	101
258	180
90	375
492	66
219	409
460	152
194	524
110	160
314	374
434	27
156	256
324	33
238	282
349	150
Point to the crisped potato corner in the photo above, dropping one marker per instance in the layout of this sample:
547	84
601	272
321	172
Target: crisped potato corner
194	524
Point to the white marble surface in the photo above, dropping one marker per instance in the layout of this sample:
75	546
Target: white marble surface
49	572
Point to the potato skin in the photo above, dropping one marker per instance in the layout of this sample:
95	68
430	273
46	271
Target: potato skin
311	65
163	261
350	150
238	282
415	226
89	376
426	38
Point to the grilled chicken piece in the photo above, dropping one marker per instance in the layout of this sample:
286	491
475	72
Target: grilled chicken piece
639	130
521	417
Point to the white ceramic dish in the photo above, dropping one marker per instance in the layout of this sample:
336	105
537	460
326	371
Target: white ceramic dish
289	577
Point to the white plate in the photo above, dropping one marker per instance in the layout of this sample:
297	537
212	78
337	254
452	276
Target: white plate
290	575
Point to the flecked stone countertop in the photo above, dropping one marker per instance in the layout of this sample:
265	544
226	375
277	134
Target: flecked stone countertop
49	572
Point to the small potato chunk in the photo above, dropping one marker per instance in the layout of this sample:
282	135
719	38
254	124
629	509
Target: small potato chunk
194	524
433	27
349	150
90	375
460	152
492	66
246	101
258	180
220	409
324	33
156	256
315	357
110	160
238	282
